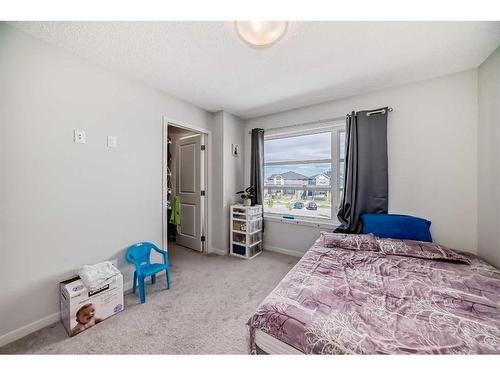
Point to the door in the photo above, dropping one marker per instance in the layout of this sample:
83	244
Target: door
189	189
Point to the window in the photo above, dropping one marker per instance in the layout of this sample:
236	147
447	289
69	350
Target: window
303	173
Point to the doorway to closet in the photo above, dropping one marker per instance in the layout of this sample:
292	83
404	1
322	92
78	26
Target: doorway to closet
184	186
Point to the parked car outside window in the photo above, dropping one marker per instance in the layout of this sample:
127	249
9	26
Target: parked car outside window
311	206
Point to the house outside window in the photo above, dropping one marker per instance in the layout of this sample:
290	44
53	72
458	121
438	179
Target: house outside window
303	172
277	179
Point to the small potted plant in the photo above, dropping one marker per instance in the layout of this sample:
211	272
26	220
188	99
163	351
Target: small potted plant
248	194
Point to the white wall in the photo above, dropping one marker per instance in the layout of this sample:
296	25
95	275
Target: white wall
217	183
432	141
64	204
489	160
229	178
234	133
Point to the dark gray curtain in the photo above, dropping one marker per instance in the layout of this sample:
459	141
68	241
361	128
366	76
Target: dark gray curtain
257	165
366	179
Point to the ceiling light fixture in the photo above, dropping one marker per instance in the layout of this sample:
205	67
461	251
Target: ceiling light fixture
261	33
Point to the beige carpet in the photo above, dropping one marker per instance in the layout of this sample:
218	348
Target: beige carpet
204	312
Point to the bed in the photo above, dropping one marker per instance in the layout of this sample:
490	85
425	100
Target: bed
349	299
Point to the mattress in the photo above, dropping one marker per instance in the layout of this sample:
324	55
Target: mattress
266	344
338	300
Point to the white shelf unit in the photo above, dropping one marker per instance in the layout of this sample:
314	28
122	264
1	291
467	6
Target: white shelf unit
246	231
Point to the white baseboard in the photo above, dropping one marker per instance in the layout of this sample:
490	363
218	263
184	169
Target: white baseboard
127	287
293	253
218	251
28	328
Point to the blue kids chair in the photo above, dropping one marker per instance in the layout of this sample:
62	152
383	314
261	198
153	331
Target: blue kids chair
139	255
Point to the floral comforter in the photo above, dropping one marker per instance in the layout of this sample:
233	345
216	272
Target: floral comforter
338	301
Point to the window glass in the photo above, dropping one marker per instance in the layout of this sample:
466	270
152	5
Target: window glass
342	144
299	190
305	147
298	176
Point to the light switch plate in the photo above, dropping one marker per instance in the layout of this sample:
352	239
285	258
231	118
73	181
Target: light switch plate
235	149
112	141
80	136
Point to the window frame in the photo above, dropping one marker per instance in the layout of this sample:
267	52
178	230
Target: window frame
336	128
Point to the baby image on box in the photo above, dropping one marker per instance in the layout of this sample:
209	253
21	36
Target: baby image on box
85	318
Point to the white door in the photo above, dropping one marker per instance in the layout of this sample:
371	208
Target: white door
189	189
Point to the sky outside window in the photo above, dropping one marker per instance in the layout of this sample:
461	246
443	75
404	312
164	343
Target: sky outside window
299	148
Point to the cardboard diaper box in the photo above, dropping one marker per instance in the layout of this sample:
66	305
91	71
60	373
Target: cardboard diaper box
82	309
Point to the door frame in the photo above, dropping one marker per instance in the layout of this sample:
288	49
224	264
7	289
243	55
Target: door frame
205	223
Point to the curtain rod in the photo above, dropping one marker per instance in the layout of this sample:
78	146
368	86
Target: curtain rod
328	119
382	111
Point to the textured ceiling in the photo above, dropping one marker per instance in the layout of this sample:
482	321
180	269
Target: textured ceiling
205	63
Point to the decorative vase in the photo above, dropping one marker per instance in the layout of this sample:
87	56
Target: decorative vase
247	202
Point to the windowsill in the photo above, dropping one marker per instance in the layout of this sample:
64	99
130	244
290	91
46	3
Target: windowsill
321	224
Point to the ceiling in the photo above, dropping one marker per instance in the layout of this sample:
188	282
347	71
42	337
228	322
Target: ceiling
205	63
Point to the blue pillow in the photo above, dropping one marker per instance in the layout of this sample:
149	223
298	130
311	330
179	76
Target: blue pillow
403	227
